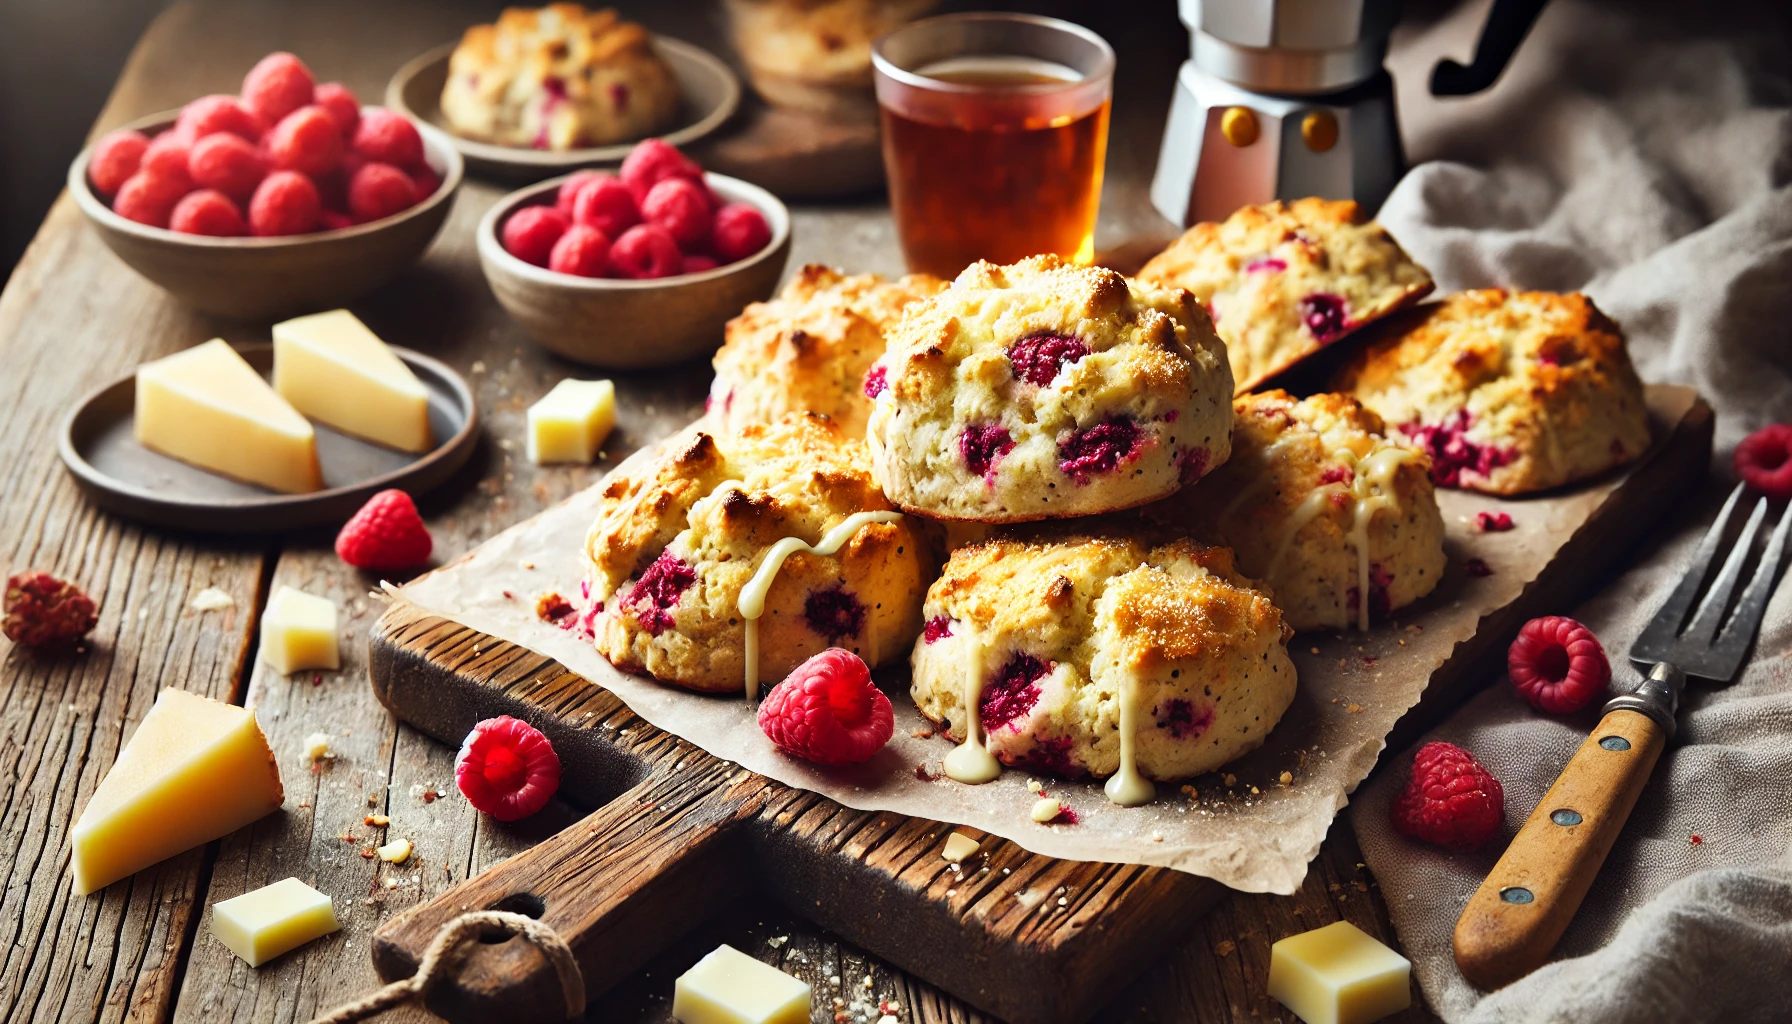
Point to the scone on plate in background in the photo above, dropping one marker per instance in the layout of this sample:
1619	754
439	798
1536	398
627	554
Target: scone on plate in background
680	540
1322	507
1284	280
808	349
1508	392
815	55
558	77
1043	390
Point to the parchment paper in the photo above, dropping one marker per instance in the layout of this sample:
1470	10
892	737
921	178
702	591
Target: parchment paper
1253	833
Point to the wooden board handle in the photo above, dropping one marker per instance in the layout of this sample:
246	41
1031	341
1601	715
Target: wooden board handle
618	887
1523	906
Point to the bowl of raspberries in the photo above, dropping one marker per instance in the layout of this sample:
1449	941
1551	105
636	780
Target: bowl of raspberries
637	267
287	198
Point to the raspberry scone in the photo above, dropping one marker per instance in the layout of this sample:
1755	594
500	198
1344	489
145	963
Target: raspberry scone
1284	280
808	349
732	558
1318	504
1508	392
815	55
1100	654
1044	390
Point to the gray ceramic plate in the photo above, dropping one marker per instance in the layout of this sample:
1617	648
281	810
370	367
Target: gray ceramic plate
125	478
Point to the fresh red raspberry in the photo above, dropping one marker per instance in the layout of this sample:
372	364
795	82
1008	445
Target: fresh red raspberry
306	140
334	220
1450	800
1558	664
166	159
43	611
228	163
146	199
697	263
1764	459
1493	522
607	205
569	189
426	182
389	138
581	250
386	535
207	212
341	105
285	203
653	161
645	251
530	233
681	206
828	711
379	190
507	768
115	158
209	115
277	85
739	232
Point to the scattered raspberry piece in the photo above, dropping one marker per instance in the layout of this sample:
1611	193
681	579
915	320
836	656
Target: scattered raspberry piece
166	159
1450	800
1558	664
389	138
306	140
569	189
43	611
651	162
146	200
277	85
387	534
606	204
207	212
507	768
645	251
1477	567
115	158
739	231
828	711
697	263
379	190
681	206
285	203
582	251
530	233
1493	522
209	115
228	163
1764	459
340	103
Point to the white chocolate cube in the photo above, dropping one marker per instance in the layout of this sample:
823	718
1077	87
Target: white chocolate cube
259	926
298	631
730	987
336	371
1339	975
571	421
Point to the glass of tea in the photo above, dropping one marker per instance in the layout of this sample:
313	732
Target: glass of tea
995	128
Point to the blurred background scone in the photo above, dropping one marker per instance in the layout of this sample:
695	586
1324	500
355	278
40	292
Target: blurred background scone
558	77
1321	507
1508	392
1049	637
1045	390
1284	280
808	349
815	55
676	540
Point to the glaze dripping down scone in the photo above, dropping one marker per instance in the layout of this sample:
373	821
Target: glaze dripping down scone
1284	280
558	77
1045	390
1048	637
1322	507
678	538
1508	392
808	349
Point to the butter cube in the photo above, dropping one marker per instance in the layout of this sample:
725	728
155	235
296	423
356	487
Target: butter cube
1339	975
571	421
298	631
730	987
336	371
259	926
209	407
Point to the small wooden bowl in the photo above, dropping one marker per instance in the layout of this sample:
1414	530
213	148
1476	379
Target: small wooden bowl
263	278
630	325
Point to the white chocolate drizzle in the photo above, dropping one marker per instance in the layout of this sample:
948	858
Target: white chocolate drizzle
1126	786
1371	490
971	762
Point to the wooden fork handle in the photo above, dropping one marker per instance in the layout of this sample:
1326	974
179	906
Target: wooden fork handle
1521	909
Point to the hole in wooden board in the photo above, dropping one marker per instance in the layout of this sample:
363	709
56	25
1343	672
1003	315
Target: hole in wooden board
525	903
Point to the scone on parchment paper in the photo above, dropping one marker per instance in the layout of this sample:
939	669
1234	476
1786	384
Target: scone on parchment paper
1284	280
1045	390
1508	392
677	538
815	55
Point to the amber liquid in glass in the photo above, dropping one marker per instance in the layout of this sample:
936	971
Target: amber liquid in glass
990	185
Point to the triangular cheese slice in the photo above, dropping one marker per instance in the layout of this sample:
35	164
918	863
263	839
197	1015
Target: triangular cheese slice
336	371
208	407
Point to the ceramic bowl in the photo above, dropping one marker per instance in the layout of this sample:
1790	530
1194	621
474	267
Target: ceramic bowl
261	278
632	324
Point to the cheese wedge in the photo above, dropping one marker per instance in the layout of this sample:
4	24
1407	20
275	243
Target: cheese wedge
570	422
336	371
259	926
196	769
208	407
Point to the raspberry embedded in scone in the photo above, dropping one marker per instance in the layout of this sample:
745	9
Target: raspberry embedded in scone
1284	280
1044	390
1508	392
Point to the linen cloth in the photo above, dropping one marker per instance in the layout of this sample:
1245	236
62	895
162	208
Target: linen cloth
1641	153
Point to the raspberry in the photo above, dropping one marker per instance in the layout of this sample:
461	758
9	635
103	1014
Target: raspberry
982	445
1178	717
877	381
530	233
1558	664
645	251
115	158
651	162
1452	453
681	207
1013	691
582	251
1450	800
334	220
937	628
209	115
379	190
1191	465
43	611
389	138
1102	448
285	203
228	163
828	711
1266	264
1038	358
387	534
1764	459
146	200
697	263
656	594
277	85
569	189
166	159
307	141
1325	316
507	768
207	212
1493	522
835	613
606	204
426	181
739	231
341	104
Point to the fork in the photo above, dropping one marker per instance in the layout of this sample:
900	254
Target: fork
1513	920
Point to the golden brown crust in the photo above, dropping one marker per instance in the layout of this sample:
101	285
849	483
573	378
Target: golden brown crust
816	54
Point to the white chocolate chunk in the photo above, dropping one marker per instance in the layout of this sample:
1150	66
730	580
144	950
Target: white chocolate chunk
317	746
336	371
1045	809
211	599
259	926
571	421
209	407
298	632
396	851
958	847
730	987
1339	975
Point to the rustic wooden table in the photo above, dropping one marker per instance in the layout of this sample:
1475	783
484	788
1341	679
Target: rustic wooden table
73	317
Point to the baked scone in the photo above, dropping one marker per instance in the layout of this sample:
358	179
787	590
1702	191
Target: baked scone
1508	392
677	541
808	349
1284	280
1045	390
558	77
1318	504
1070	645
815	55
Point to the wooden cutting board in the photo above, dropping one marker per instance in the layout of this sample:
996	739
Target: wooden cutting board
676	831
